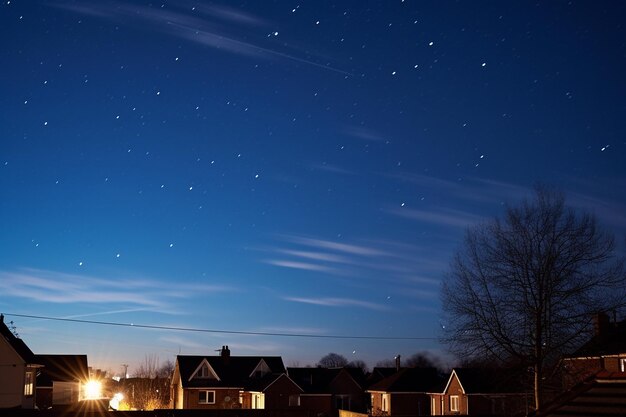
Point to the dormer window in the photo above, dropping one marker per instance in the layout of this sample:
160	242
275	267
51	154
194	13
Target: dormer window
261	370
203	372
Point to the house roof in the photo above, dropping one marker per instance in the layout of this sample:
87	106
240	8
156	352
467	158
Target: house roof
233	371
313	380
16	343
485	380
410	380
318	380
379	373
66	368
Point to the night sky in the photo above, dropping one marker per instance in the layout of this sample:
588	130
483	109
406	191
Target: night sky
295	167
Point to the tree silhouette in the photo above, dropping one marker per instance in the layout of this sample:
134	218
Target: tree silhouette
526	287
333	360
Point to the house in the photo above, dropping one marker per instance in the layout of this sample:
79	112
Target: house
18	368
61	381
603	394
405	393
605	351
478	391
225	381
327	390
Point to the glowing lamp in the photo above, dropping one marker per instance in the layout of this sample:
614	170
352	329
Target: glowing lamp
93	390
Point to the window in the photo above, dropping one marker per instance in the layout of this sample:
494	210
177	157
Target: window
294	400
385	406
204	371
258	401
29	382
342	402
206	397
454	403
622	364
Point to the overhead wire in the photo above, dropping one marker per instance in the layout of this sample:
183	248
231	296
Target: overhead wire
220	331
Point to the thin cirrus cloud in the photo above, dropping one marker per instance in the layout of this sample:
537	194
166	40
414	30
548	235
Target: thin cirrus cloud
375	259
337	302
212	28
349	248
301	265
439	216
474	189
57	287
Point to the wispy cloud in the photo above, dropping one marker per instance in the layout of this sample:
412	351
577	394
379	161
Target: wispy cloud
337	246
333	169
612	214
361	263
474	189
301	265
218	27
440	216
63	288
338	302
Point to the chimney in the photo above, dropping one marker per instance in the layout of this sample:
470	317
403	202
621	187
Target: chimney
225	354
397	362
601	323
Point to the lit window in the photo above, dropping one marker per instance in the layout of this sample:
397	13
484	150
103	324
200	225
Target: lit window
206	397
29	381
294	400
454	403
385	407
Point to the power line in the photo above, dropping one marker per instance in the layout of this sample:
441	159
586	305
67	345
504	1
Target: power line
239	332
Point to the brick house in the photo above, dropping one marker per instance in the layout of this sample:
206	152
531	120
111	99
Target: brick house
18	368
605	351
225	381
477	391
327	390
406	392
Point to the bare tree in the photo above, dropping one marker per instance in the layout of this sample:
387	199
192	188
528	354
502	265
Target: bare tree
424	359
333	360
166	370
526	287
358	363
149	387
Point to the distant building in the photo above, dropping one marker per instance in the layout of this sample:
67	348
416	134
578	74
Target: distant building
405	393
480	392
225	381
61	381
327	390
18	368
605	351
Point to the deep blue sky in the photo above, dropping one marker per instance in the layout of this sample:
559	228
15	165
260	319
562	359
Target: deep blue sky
286	166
